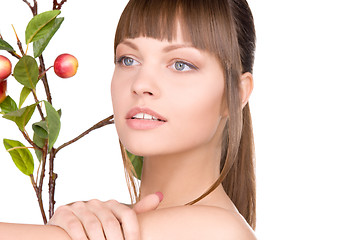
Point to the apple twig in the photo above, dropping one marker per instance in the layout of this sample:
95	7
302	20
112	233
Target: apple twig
44	79
106	121
40	175
13	53
40	201
56	5
51	183
28	139
38	106
33	8
53	175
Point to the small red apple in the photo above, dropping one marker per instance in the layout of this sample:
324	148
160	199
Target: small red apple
65	65
5	67
3	88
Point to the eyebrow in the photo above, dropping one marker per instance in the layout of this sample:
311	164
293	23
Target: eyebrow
130	44
166	49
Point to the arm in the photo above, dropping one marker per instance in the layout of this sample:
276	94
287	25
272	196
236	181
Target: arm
83	220
11	231
98	220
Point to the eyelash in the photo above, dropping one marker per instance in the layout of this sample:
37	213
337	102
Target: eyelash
191	66
121	59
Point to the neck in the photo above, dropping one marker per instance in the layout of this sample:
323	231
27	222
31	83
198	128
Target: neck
181	177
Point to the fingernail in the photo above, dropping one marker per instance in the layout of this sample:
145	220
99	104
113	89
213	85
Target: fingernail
160	196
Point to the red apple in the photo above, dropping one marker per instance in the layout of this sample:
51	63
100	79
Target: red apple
3	88
5	67
65	65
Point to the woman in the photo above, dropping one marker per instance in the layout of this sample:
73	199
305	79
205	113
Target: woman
180	95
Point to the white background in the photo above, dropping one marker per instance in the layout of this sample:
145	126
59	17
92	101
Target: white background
295	108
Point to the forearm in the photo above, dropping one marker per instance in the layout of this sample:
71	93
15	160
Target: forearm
10	231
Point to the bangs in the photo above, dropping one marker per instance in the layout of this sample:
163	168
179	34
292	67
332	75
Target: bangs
205	24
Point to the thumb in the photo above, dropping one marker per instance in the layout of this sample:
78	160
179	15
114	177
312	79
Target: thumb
148	203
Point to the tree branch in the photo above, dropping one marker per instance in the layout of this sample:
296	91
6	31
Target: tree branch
38	106
33	8
13	53
38	193
51	183
44	79
30	141
56	5
106	121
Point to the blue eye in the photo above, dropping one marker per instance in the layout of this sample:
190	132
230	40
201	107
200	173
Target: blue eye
183	66
127	61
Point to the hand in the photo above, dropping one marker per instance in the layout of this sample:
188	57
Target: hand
98	220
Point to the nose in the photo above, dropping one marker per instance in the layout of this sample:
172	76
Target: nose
145	83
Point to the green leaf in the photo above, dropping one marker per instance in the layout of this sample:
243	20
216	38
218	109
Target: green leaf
40	45
22	116
40	142
40	128
40	25
21	156
23	95
8	105
137	162
5	46
26	72
53	124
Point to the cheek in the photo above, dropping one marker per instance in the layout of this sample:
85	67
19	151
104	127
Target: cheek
118	99
119	92
201	116
196	112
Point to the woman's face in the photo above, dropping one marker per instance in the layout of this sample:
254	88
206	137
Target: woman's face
167	96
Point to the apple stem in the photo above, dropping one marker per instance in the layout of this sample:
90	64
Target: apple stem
44	72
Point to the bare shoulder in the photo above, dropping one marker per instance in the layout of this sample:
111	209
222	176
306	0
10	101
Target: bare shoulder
194	222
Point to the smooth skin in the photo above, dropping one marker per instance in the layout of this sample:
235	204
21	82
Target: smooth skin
185	85
181	157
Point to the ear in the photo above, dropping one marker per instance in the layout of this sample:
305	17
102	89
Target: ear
246	87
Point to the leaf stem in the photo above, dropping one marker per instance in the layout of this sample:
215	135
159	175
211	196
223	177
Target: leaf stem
18	42
11	149
26	49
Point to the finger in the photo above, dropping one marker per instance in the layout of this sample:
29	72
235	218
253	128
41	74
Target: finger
90	222
111	226
64	218
148	203
128	219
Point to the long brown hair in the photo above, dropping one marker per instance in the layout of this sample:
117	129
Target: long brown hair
225	28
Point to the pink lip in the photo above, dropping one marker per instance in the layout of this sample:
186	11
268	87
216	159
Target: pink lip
143	124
